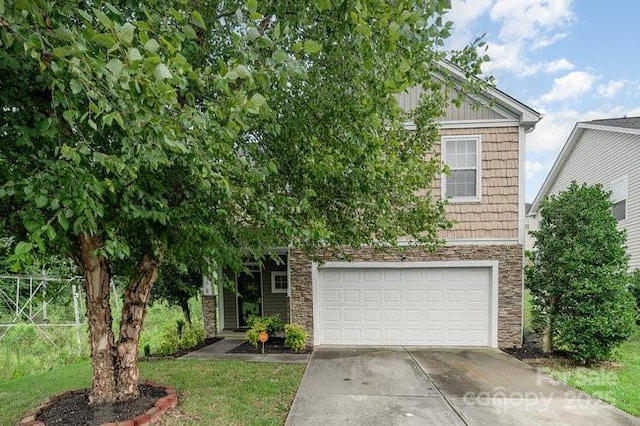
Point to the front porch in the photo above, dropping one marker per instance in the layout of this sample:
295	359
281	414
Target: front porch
263	290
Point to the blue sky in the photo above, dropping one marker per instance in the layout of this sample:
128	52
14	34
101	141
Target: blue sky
570	60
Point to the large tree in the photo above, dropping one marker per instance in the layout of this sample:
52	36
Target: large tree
136	132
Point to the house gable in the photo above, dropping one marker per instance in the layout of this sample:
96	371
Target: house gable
605	154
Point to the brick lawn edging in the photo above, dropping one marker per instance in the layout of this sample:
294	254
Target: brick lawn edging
149	417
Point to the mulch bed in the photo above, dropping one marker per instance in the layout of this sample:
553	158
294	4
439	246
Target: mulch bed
75	410
275	345
206	342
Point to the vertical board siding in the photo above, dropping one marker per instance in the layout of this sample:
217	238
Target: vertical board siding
467	111
601	157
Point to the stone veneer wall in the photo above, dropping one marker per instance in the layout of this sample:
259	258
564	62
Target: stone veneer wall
509	257
209	315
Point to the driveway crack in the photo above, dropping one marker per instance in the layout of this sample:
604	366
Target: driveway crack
435	385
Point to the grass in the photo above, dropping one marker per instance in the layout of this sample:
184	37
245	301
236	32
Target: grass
221	392
25	351
615	385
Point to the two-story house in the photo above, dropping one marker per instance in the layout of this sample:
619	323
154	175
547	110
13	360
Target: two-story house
467	293
607	152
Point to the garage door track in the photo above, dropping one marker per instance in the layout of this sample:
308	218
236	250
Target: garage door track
405	386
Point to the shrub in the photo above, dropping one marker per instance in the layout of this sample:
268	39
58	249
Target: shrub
634	288
578	277
273	324
192	335
295	337
254	332
169	342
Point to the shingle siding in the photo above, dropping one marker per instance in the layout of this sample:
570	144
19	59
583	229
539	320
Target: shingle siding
496	214
602	157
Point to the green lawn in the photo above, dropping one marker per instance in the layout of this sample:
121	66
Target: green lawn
617	386
210	392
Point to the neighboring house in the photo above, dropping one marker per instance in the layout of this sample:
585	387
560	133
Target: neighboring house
607	152
468	293
530	224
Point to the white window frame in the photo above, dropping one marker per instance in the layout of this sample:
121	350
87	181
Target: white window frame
625	181
275	274
478	168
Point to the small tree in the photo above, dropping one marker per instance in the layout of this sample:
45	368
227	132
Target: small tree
579	274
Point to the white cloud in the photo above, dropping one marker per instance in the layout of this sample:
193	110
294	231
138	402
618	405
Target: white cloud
524	26
507	56
610	89
553	130
558	65
570	86
635	112
535	20
464	13
533	168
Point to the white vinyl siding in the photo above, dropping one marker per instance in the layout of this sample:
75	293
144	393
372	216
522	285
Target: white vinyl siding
462	154
603	157
618	190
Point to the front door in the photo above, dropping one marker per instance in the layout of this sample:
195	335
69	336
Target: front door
248	296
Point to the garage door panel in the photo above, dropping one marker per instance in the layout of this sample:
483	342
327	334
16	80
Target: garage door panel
351	296
392	295
435	295
412	306
351	315
392	316
413	316
372	296
331	296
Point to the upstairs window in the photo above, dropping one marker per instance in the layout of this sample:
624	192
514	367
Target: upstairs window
619	198
462	155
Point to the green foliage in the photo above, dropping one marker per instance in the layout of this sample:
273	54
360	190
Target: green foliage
177	285
253	333
175	338
272	324
25	351
634	288
170	134
162	137
180	326
252	337
578	278
295	337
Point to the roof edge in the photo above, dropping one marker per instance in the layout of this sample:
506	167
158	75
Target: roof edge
528	116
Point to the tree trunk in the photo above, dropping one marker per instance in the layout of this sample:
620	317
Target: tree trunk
134	309
97	279
547	333
184	304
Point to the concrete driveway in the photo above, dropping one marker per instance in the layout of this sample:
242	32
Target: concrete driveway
417	386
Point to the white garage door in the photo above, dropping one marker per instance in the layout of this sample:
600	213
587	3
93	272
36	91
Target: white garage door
404	306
